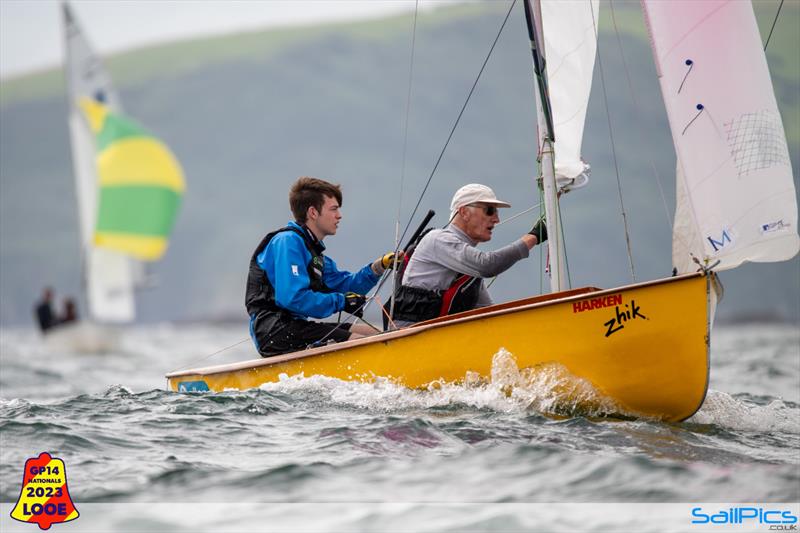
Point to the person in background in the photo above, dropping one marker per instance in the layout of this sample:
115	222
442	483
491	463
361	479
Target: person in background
445	273
43	311
70	313
290	279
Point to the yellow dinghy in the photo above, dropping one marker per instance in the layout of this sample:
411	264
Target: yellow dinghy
644	346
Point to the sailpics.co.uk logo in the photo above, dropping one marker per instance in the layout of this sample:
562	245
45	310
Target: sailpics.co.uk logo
776	517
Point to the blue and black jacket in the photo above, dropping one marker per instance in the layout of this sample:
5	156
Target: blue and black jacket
290	278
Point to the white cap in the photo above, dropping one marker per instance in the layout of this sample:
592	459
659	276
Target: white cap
474	193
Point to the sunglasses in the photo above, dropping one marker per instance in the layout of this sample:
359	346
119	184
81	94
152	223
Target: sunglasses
490	210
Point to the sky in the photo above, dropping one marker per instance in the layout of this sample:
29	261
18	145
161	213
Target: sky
31	36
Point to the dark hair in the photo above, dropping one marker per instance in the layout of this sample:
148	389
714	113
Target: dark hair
311	192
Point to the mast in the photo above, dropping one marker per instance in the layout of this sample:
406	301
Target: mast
546	137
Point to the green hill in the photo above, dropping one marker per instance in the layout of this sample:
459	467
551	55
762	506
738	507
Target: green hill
247	114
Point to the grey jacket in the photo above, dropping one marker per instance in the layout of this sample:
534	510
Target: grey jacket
444	253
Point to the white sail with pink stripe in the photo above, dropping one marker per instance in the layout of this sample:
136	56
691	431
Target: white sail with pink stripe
735	192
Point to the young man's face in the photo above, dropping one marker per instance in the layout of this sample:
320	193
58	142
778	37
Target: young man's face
327	220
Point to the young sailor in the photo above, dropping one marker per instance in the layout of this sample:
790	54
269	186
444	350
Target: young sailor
290	279
445	272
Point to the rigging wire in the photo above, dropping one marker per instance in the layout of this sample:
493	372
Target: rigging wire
458	119
405	150
614	152
637	108
194	362
430	177
562	236
773	26
441	155
509	219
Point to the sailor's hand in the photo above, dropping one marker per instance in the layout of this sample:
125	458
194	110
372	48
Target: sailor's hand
539	231
354	303
391	260
387	261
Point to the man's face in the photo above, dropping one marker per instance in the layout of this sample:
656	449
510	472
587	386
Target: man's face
478	225
327	221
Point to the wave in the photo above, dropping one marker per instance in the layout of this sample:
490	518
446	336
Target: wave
723	410
546	389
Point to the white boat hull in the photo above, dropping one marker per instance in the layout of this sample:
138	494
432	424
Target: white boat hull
83	337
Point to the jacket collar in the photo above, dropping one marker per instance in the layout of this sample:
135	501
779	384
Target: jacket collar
461	235
318	245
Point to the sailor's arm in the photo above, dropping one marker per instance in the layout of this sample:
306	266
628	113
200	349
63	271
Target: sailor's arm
344	281
465	259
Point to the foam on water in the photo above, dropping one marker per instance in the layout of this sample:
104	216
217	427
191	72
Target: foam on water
516	435
723	410
547	389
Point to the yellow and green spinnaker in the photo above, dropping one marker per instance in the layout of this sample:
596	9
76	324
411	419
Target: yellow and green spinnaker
140	184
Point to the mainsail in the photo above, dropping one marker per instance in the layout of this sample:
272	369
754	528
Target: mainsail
128	184
736	198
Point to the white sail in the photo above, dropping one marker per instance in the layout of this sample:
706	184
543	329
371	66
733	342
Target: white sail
736	195
108	275
570	44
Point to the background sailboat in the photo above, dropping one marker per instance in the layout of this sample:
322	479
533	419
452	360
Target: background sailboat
128	187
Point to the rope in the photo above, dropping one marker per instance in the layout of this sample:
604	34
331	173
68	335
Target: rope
542	254
455	125
192	363
509	219
614	153
637	107
562	242
388	315
518	214
773	26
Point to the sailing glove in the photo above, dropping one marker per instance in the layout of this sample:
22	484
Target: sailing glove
354	303
539	231
386	261
391	259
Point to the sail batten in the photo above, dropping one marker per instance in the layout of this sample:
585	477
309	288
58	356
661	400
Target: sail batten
736	199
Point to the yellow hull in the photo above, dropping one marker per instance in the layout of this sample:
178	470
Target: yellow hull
644	346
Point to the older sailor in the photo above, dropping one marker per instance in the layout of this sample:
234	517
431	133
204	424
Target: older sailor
446	271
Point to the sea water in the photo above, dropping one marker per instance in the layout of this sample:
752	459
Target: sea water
318	454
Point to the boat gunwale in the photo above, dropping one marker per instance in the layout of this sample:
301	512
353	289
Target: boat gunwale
467	316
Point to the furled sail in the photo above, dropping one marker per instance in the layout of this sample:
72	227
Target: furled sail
736	198
570	44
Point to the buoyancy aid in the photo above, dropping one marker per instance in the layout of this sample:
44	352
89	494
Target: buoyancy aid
260	294
413	304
